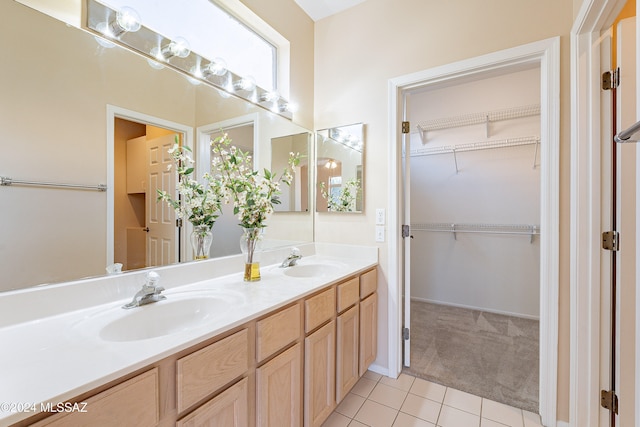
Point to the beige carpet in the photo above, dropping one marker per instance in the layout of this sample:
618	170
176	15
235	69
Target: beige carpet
486	354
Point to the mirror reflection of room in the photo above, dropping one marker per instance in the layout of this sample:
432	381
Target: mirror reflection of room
339	160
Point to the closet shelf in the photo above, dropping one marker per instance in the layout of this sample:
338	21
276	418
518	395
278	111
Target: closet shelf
477	118
530	230
474	146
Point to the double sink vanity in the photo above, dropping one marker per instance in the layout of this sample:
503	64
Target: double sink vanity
216	351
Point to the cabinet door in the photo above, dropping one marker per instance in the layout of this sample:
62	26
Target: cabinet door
132	403
347	373
229	409
319	375
368	331
278	388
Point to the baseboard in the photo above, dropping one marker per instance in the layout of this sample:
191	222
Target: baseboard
379	370
471	307
562	424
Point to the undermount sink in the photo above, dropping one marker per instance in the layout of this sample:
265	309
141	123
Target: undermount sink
177	313
311	270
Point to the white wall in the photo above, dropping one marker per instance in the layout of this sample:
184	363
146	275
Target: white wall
499	273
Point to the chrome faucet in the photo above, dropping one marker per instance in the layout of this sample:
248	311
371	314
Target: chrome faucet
292	259
149	293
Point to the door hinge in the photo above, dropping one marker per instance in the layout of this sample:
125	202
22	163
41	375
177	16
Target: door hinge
609	400
179	222
611	79
405	333
406	127
406	231
611	240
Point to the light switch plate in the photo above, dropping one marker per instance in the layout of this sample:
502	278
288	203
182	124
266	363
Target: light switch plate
380	216
379	233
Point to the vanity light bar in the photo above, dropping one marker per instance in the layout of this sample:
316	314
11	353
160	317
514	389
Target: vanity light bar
175	54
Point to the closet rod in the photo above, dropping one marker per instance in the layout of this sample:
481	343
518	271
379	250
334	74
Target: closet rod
511	229
5	180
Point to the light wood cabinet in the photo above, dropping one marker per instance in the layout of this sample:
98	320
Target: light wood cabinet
289	368
368	331
277	331
319	375
207	370
347	348
137	173
318	309
229	409
132	403
348	294
278	390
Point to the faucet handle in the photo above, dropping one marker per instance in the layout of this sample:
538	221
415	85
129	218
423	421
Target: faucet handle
295	251
152	278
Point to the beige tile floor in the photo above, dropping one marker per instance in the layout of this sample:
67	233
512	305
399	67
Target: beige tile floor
378	401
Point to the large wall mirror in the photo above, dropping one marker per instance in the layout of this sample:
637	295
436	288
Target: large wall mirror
339	174
75	111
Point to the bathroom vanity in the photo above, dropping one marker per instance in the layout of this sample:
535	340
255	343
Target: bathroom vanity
282	351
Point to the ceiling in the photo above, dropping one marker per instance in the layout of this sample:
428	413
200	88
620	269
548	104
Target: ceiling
318	9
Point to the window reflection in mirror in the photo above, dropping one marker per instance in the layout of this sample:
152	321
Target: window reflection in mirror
339	169
293	198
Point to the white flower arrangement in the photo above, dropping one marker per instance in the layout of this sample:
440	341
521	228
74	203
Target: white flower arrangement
345	201
199	203
252	194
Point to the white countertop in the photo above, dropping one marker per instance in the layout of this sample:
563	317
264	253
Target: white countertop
53	356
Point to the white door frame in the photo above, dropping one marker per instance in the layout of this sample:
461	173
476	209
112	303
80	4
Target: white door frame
587	338
547	54
114	112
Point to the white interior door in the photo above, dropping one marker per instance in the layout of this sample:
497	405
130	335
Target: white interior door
626	225
406	188
161	218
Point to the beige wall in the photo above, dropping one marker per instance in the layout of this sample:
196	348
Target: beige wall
359	50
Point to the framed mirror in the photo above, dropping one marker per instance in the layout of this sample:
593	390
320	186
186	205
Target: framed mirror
73	127
296	197
339	169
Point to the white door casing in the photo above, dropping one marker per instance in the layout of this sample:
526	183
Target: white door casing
547	54
588	326
112	113
406	176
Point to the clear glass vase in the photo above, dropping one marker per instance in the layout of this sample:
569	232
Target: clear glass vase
201	239
251	247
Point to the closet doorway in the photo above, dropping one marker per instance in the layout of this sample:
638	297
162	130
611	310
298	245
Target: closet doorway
474	172
141	232
545	55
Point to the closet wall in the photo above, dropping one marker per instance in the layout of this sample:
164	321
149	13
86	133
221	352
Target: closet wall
479	190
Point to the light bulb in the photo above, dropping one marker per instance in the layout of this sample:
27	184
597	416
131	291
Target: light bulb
177	47
217	67
128	19
246	83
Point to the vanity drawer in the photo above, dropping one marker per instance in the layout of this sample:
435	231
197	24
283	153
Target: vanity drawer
131	403
319	309
368	283
277	331
205	371
229	409
348	293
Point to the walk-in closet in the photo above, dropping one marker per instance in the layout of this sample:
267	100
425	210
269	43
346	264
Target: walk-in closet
475	235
